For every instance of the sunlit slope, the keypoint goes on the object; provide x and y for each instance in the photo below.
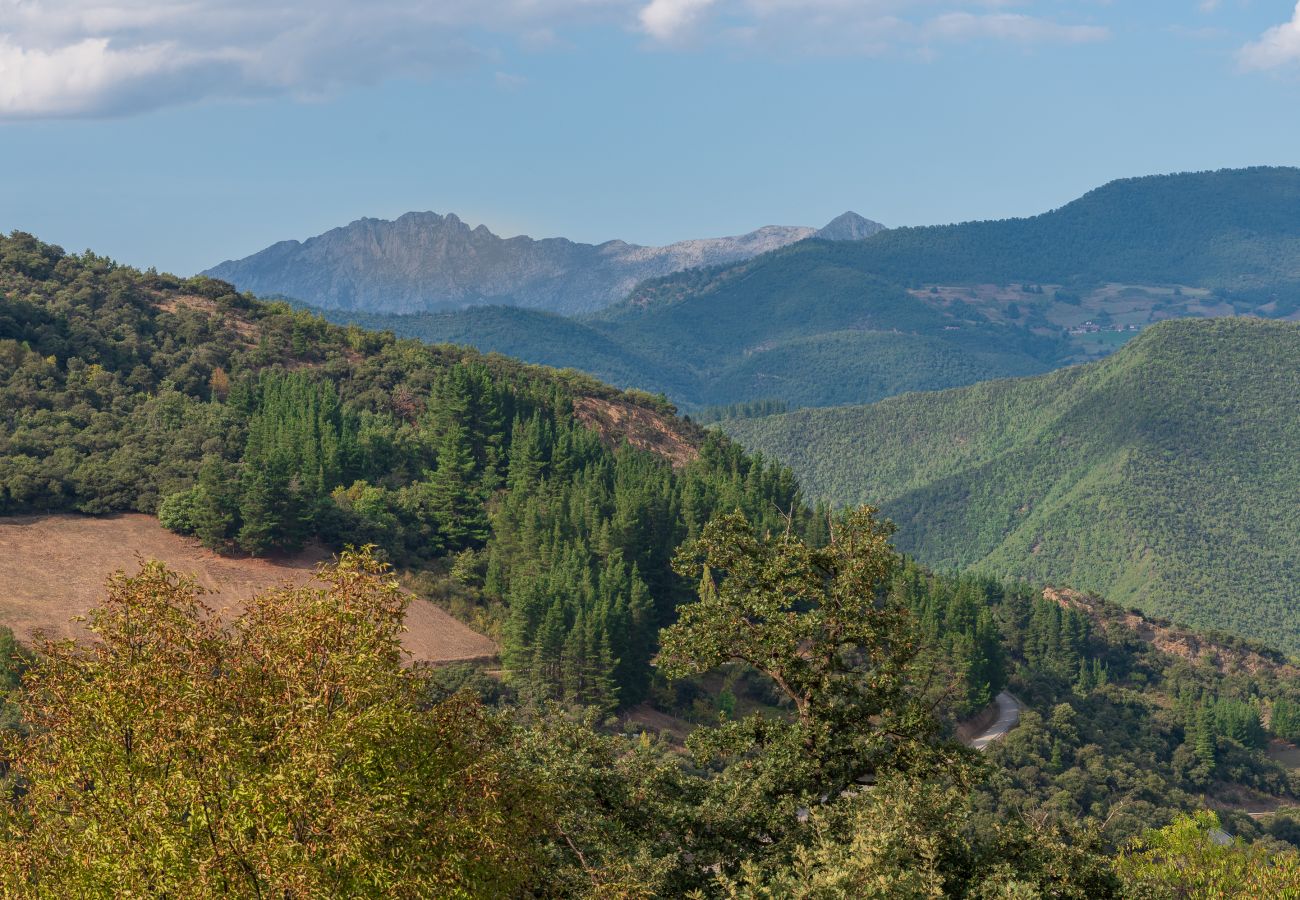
(1166, 476)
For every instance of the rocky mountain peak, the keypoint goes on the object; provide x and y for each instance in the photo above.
(849, 226)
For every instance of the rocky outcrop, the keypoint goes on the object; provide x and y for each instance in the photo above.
(849, 226)
(426, 262)
(1225, 653)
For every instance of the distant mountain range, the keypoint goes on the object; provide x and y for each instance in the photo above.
(425, 262)
(1165, 476)
(820, 323)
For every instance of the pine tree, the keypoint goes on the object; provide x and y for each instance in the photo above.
(216, 513)
(453, 497)
(1204, 736)
(257, 511)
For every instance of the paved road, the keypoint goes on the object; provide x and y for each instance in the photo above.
(1008, 718)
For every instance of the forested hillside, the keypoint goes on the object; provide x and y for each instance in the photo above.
(1236, 229)
(1158, 477)
(256, 428)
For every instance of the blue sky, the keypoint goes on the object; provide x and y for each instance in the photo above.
(179, 135)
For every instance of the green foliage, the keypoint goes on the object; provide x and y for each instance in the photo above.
(914, 840)
(1285, 721)
(819, 624)
(1144, 735)
(1153, 477)
(287, 753)
(752, 410)
(955, 617)
(1193, 858)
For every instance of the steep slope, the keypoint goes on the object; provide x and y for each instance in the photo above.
(826, 335)
(1163, 476)
(424, 262)
(1237, 230)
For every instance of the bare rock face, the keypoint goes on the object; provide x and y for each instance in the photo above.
(423, 262)
(849, 226)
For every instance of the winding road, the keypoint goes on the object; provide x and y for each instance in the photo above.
(1008, 718)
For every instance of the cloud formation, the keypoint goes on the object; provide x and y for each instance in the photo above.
(667, 20)
(962, 26)
(69, 58)
(63, 58)
(1277, 47)
(859, 26)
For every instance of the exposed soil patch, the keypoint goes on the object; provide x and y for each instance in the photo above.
(1285, 752)
(653, 720)
(53, 568)
(618, 420)
(242, 327)
(1175, 640)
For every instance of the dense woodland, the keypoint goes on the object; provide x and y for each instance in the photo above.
(1154, 477)
(819, 673)
(1232, 229)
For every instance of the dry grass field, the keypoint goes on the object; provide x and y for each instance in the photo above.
(53, 568)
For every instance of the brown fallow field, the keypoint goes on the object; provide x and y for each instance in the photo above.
(53, 568)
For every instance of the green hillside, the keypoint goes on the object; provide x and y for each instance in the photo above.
(540, 337)
(1165, 476)
(640, 576)
(1237, 229)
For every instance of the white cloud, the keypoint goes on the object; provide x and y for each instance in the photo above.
(965, 26)
(111, 57)
(1277, 47)
(668, 20)
(863, 26)
(65, 58)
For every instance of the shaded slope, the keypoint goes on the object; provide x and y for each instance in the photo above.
(1236, 229)
(1163, 476)
(860, 342)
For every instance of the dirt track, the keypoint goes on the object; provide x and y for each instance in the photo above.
(54, 567)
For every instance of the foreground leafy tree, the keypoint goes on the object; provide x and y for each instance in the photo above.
(283, 755)
(817, 622)
(911, 838)
(1184, 860)
(853, 792)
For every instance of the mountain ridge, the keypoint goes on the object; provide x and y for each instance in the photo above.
(428, 262)
(820, 323)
